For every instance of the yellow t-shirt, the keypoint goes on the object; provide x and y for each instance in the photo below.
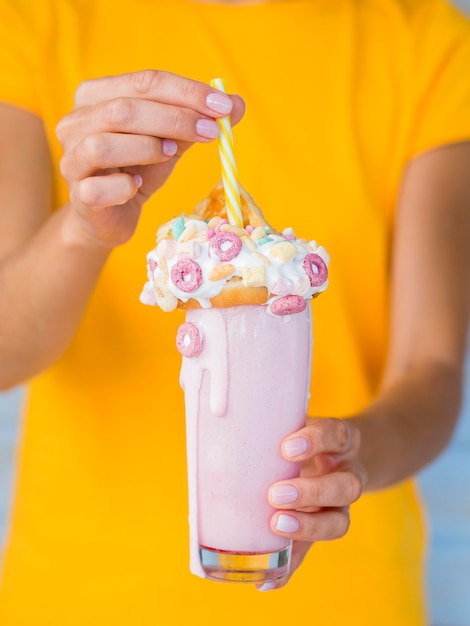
(340, 94)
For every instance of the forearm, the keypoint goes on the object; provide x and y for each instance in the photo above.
(45, 285)
(410, 423)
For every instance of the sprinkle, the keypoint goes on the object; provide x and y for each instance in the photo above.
(267, 230)
(262, 258)
(221, 271)
(210, 233)
(230, 228)
(257, 233)
(214, 222)
(264, 240)
(188, 233)
(249, 229)
(221, 223)
(178, 228)
(248, 243)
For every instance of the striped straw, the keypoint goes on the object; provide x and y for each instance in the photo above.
(229, 170)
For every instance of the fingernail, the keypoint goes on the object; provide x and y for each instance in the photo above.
(138, 179)
(219, 103)
(169, 147)
(296, 447)
(283, 494)
(207, 128)
(268, 586)
(287, 524)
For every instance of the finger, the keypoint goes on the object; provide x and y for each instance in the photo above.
(164, 87)
(321, 435)
(98, 192)
(336, 489)
(103, 151)
(324, 525)
(136, 117)
(299, 551)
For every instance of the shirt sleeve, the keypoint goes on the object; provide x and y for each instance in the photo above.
(18, 57)
(442, 78)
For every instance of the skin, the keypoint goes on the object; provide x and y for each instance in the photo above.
(120, 122)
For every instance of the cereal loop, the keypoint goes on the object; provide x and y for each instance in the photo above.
(316, 270)
(226, 245)
(288, 305)
(189, 340)
(186, 274)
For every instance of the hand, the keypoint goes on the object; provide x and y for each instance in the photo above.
(122, 141)
(315, 506)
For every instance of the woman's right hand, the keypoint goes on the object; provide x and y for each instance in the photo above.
(122, 141)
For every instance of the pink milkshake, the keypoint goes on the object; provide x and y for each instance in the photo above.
(245, 392)
(246, 348)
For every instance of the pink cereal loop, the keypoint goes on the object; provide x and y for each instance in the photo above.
(189, 340)
(288, 305)
(186, 274)
(233, 249)
(314, 261)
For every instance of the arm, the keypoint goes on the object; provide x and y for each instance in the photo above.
(121, 142)
(415, 413)
(418, 407)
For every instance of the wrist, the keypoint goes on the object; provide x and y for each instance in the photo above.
(78, 234)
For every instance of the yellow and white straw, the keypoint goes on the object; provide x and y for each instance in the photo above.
(229, 170)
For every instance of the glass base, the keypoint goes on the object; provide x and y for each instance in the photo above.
(247, 567)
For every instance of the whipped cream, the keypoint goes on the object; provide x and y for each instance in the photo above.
(195, 259)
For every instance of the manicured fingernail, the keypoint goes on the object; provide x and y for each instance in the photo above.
(268, 586)
(296, 447)
(283, 494)
(219, 103)
(138, 179)
(207, 128)
(287, 524)
(169, 147)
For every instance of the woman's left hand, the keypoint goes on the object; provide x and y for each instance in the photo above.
(315, 506)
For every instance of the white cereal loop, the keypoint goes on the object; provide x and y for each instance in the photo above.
(163, 296)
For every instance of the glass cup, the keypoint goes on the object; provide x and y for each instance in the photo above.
(246, 378)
